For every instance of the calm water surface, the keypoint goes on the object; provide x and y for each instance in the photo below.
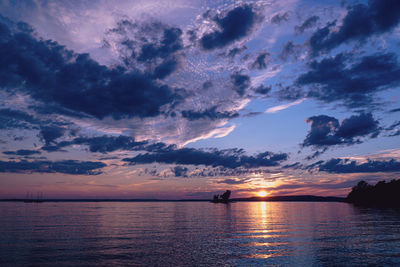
(197, 234)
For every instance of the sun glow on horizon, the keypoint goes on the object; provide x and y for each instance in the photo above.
(262, 193)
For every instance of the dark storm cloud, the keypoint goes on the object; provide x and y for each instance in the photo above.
(327, 131)
(260, 62)
(240, 82)
(230, 158)
(102, 144)
(361, 22)
(65, 166)
(308, 23)
(351, 166)
(54, 75)
(22, 152)
(333, 79)
(233, 25)
(210, 113)
(277, 19)
(10, 119)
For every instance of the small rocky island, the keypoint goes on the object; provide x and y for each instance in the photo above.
(383, 194)
(224, 198)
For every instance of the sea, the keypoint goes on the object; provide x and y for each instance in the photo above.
(197, 234)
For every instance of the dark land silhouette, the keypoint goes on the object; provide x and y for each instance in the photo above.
(385, 194)
(224, 198)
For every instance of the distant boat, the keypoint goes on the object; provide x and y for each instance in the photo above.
(224, 198)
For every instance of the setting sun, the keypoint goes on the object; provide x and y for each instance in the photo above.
(262, 193)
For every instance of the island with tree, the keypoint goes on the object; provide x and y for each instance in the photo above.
(386, 194)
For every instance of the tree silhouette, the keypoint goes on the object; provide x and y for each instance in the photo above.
(382, 194)
(224, 198)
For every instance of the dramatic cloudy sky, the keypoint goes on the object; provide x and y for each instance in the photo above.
(182, 99)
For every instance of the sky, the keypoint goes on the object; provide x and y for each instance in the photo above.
(185, 99)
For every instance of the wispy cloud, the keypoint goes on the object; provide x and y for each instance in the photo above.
(216, 133)
(285, 106)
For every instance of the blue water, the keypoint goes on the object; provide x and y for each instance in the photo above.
(197, 234)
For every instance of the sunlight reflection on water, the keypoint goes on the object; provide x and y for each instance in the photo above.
(197, 233)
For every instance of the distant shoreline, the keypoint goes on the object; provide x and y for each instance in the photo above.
(302, 198)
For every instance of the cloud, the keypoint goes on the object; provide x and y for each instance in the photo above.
(22, 152)
(65, 166)
(317, 153)
(215, 133)
(180, 171)
(260, 62)
(170, 43)
(296, 165)
(212, 172)
(393, 128)
(333, 79)
(232, 53)
(49, 130)
(290, 50)
(210, 113)
(232, 26)
(149, 45)
(232, 181)
(289, 93)
(240, 82)
(10, 119)
(361, 22)
(394, 110)
(327, 131)
(50, 133)
(279, 18)
(230, 158)
(308, 23)
(102, 144)
(166, 68)
(262, 89)
(351, 166)
(285, 106)
(36, 67)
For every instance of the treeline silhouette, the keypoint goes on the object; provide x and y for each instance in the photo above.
(382, 194)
